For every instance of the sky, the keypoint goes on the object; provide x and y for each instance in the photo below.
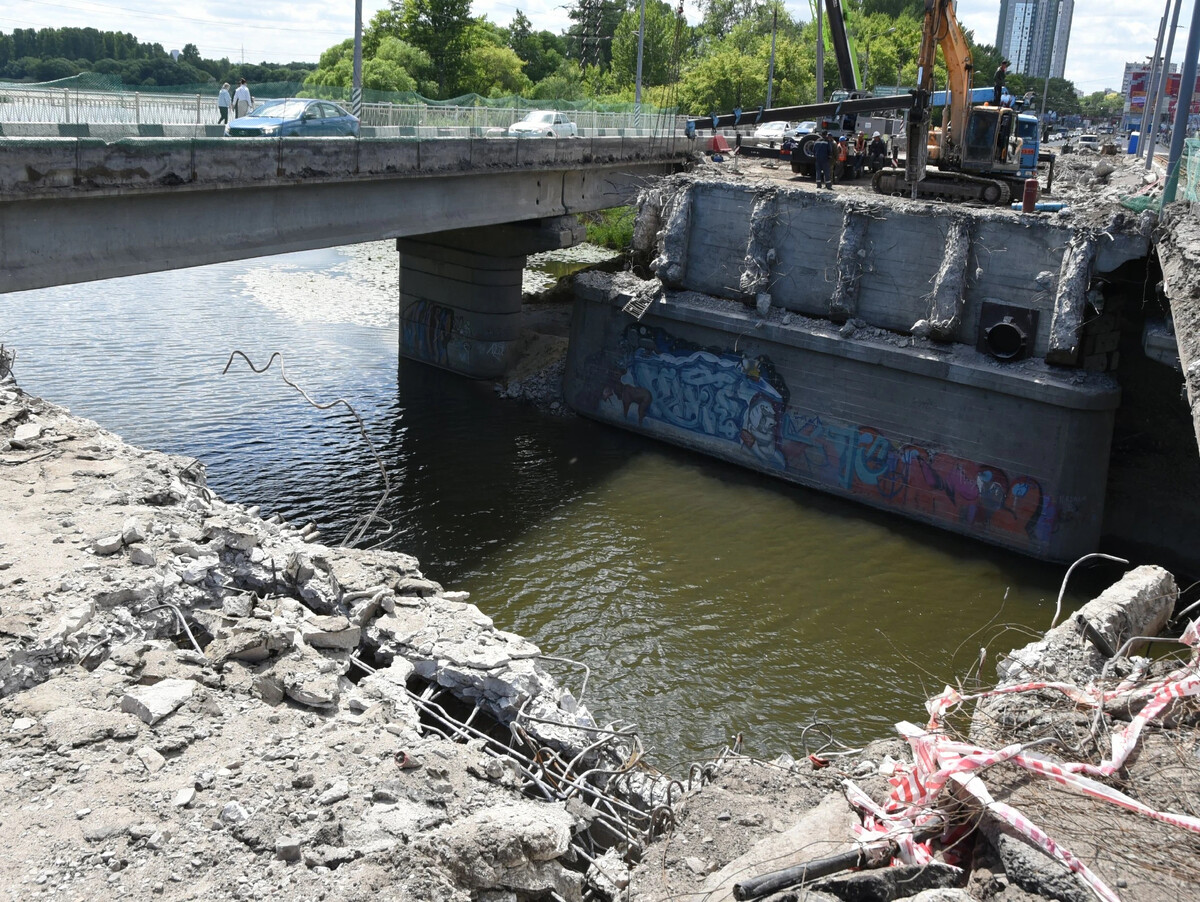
(1105, 34)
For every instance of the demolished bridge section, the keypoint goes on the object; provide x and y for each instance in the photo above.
(931, 361)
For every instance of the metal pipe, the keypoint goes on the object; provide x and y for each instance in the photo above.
(1162, 87)
(356, 90)
(1187, 85)
(1151, 84)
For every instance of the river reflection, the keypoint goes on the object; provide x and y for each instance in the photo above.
(705, 599)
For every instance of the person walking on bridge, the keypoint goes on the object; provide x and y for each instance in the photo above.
(241, 100)
(223, 104)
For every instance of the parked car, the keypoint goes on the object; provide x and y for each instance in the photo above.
(773, 131)
(806, 128)
(1091, 142)
(543, 123)
(294, 117)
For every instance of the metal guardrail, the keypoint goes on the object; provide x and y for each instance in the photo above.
(69, 106)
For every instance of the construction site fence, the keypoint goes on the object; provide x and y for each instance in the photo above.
(1150, 198)
(77, 105)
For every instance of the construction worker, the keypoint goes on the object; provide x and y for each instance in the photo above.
(843, 159)
(821, 168)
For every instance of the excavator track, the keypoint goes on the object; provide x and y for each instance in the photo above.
(951, 186)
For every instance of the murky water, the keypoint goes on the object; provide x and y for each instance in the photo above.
(706, 600)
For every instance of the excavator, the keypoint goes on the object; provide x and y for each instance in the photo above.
(976, 150)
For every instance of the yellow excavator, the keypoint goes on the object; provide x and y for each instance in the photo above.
(976, 150)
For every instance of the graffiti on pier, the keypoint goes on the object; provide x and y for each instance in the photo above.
(718, 395)
(426, 331)
(932, 484)
(738, 406)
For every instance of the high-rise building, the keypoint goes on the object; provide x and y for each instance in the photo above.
(1033, 35)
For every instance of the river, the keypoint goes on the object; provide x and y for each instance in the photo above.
(706, 600)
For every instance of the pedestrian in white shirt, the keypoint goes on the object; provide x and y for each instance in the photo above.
(223, 104)
(242, 101)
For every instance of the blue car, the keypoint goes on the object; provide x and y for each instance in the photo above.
(294, 116)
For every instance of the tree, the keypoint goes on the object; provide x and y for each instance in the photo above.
(658, 46)
(495, 72)
(439, 27)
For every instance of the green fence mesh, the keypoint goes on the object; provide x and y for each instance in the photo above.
(93, 81)
(1189, 182)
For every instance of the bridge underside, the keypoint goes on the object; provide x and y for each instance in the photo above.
(59, 240)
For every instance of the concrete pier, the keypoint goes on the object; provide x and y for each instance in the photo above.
(460, 292)
(936, 362)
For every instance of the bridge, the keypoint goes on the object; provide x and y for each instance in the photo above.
(465, 212)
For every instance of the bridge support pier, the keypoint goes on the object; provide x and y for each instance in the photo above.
(460, 292)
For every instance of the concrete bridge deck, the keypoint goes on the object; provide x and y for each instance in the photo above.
(74, 210)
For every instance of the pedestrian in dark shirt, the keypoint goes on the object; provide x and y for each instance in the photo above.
(998, 83)
(821, 153)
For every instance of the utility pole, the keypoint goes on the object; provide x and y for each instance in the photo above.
(1151, 85)
(637, 90)
(1162, 87)
(820, 58)
(356, 90)
(771, 67)
(1187, 84)
(1049, 69)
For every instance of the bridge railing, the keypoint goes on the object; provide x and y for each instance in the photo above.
(19, 104)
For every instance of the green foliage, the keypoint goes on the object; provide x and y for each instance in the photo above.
(657, 46)
(49, 54)
(440, 28)
(611, 228)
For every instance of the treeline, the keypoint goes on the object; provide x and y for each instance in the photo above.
(438, 49)
(47, 54)
(435, 47)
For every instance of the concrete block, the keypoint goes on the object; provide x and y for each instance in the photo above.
(150, 130)
(493, 152)
(235, 160)
(73, 130)
(572, 151)
(54, 167)
(377, 156)
(317, 157)
(450, 153)
(155, 161)
(153, 703)
(535, 152)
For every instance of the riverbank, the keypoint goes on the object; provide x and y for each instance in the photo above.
(251, 754)
(201, 704)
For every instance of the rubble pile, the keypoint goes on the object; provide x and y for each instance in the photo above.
(1076, 777)
(196, 703)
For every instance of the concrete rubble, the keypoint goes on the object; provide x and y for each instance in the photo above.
(1133, 834)
(183, 716)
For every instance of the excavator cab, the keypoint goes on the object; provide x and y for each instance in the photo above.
(991, 143)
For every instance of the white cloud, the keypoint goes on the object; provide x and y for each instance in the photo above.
(1105, 34)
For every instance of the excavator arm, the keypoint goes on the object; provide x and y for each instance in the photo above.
(940, 30)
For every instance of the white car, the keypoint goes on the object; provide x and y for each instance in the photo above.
(543, 123)
(1092, 142)
(773, 131)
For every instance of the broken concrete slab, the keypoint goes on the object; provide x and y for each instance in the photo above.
(153, 703)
